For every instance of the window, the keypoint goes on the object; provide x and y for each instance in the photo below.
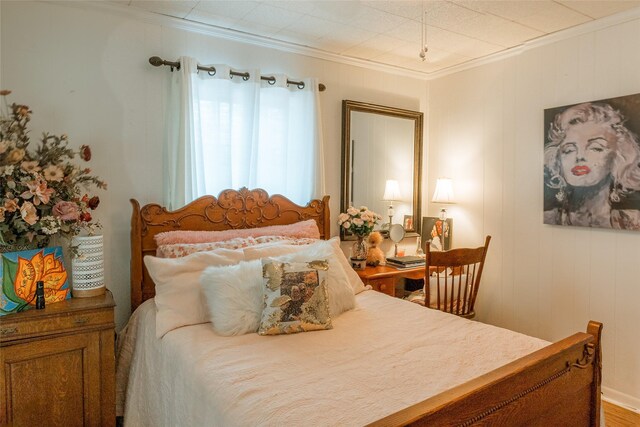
(229, 133)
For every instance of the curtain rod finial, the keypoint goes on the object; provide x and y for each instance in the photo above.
(156, 61)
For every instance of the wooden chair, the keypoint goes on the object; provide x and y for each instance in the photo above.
(455, 275)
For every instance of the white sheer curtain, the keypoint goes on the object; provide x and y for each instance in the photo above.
(228, 133)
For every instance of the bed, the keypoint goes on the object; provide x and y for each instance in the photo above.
(370, 369)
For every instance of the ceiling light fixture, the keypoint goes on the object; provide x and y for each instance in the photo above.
(423, 46)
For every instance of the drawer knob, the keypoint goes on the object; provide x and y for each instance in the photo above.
(383, 287)
(8, 331)
(81, 320)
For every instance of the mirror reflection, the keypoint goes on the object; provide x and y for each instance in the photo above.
(382, 153)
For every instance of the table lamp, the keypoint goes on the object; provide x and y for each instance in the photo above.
(391, 194)
(443, 195)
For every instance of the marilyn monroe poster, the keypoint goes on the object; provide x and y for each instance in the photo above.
(592, 164)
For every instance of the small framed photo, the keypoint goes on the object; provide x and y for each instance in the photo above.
(407, 223)
(435, 234)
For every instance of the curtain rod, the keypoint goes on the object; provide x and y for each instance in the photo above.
(156, 61)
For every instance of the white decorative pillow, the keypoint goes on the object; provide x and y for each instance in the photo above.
(341, 296)
(295, 297)
(179, 300)
(451, 281)
(234, 297)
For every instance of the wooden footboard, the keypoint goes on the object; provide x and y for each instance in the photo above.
(558, 385)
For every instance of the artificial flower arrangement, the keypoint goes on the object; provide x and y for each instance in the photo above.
(358, 221)
(42, 193)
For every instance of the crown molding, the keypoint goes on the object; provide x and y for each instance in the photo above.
(234, 35)
(267, 42)
(578, 30)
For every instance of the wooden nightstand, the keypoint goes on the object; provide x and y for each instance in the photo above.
(383, 278)
(57, 365)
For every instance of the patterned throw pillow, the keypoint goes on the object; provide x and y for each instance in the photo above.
(179, 250)
(295, 297)
(285, 239)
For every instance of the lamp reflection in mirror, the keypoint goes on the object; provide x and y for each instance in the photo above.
(391, 194)
(443, 195)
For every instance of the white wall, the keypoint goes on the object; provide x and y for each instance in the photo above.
(486, 132)
(84, 71)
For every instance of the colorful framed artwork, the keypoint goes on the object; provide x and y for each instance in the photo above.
(591, 166)
(21, 271)
(434, 234)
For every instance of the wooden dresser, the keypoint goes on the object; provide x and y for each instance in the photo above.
(58, 365)
(384, 278)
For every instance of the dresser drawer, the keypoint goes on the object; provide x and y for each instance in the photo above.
(17, 329)
(386, 285)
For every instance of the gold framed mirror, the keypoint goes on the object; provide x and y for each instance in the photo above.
(381, 144)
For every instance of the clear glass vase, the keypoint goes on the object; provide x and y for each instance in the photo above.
(419, 251)
(359, 249)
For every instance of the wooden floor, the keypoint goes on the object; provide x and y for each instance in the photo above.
(615, 416)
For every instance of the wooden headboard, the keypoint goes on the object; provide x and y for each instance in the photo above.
(232, 209)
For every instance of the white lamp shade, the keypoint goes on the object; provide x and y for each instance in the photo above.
(391, 190)
(444, 191)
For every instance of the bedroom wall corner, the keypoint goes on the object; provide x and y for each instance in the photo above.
(486, 131)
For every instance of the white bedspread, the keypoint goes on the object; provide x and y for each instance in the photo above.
(381, 357)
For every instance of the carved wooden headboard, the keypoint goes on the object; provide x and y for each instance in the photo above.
(232, 209)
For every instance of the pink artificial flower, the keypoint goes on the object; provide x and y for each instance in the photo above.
(39, 191)
(29, 213)
(11, 205)
(66, 211)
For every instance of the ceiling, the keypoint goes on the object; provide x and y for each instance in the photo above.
(389, 32)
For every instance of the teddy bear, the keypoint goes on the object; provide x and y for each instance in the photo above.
(375, 255)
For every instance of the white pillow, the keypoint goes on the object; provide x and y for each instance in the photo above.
(257, 252)
(178, 297)
(341, 294)
(449, 281)
(234, 297)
